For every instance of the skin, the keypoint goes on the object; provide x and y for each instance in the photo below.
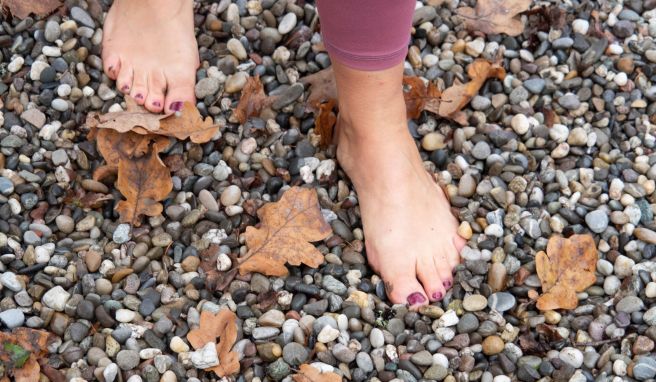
(411, 235)
(411, 238)
(155, 61)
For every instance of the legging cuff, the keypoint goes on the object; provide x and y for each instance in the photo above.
(366, 62)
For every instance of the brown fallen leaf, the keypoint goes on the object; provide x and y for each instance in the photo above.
(222, 325)
(20, 349)
(23, 8)
(322, 88)
(309, 373)
(324, 122)
(185, 124)
(419, 97)
(495, 16)
(288, 228)
(252, 100)
(457, 96)
(86, 199)
(566, 268)
(29, 372)
(144, 182)
(188, 124)
(113, 145)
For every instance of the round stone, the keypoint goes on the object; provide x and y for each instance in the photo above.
(127, 359)
(231, 195)
(474, 302)
(493, 345)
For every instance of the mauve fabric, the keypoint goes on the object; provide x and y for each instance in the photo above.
(366, 34)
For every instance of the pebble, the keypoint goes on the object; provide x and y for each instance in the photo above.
(12, 318)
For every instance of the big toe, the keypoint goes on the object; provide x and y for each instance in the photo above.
(405, 289)
(180, 89)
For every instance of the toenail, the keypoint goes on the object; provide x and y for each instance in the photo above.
(157, 104)
(437, 296)
(416, 298)
(138, 96)
(125, 88)
(176, 106)
(447, 284)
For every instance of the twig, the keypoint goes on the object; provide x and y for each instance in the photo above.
(597, 343)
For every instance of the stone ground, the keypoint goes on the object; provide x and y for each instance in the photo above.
(563, 145)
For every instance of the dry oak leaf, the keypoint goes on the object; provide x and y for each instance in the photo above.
(223, 325)
(185, 124)
(325, 121)
(566, 268)
(419, 97)
(495, 16)
(114, 146)
(309, 373)
(252, 100)
(457, 96)
(23, 8)
(144, 182)
(322, 88)
(288, 227)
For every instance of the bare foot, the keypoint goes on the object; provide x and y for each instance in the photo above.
(410, 234)
(149, 48)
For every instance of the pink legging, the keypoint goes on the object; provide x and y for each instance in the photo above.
(366, 34)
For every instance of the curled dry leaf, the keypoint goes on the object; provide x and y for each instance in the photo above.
(23, 8)
(419, 97)
(79, 197)
(252, 100)
(222, 325)
(325, 121)
(185, 124)
(144, 182)
(457, 96)
(495, 16)
(309, 373)
(288, 227)
(322, 88)
(566, 268)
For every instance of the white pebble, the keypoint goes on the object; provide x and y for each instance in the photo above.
(621, 79)
(520, 124)
(64, 90)
(125, 315)
(223, 262)
(16, 64)
(571, 356)
(650, 290)
(581, 26)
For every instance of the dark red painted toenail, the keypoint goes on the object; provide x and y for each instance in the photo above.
(139, 96)
(176, 106)
(125, 88)
(157, 104)
(416, 298)
(437, 296)
(447, 284)
(110, 69)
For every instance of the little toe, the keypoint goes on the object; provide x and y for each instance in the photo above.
(444, 272)
(156, 86)
(429, 276)
(179, 89)
(112, 66)
(124, 79)
(139, 89)
(459, 242)
(405, 289)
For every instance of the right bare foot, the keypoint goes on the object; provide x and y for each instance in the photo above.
(410, 233)
(149, 48)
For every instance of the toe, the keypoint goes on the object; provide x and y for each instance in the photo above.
(156, 87)
(459, 242)
(429, 276)
(139, 89)
(124, 78)
(179, 89)
(444, 270)
(112, 66)
(405, 289)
